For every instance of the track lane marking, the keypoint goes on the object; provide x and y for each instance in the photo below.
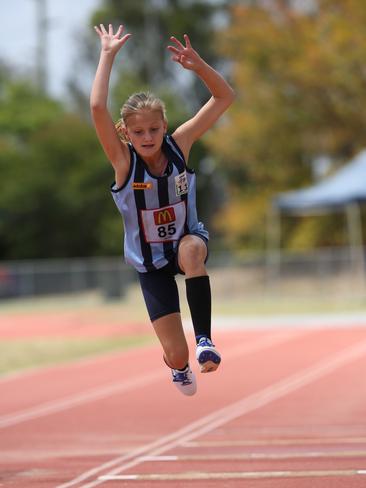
(192, 476)
(99, 393)
(258, 344)
(248, 404)
(275, 442)
(254, 456)
(72, 401)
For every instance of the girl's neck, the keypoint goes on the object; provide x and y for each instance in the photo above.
(157, 166)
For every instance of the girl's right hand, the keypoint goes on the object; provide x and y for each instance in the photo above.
(111, 43)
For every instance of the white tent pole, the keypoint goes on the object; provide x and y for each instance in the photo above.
(354, 224)
(273, 251)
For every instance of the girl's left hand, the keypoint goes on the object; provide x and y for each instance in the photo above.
(186, 56)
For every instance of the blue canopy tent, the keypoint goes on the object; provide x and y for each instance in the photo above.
(345, 190)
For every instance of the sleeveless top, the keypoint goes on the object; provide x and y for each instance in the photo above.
(157, 210)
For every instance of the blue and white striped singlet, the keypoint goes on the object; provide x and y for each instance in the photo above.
(157, 211)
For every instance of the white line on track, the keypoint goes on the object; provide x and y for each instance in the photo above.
(191, 476)
(323, 320)
(72, 401)
(135, 382)
(255, 456)
(220, 417)
(256, 345)
(277, 442)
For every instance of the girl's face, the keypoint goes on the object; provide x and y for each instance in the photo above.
(145, 130)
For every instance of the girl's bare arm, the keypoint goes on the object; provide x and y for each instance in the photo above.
(116, 151)
(222, 95)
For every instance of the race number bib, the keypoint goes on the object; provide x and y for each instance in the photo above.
(164, 224)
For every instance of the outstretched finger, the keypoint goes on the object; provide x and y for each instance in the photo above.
(174, 50)
(188, 42)
(124, 39)
(119, 31)
(110, 29)
(103, 29)
(98, 31)
(179, 44)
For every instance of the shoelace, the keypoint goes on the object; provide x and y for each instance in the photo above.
(181, 377)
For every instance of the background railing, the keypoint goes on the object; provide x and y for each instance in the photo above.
(19, 279)
(328, 271)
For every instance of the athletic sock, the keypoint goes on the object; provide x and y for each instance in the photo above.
(182, 369)
(199, 300)
(177, 369)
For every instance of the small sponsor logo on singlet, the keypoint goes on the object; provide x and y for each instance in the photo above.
(181, 184)
(164, 216)
(142, 186)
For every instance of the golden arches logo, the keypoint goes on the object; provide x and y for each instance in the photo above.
(164, 216)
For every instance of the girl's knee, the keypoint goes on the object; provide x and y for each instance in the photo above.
(192, 253)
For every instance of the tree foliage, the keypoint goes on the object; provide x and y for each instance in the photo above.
(299, 76)
(55, 178)
(53, 201)
(300, 82)
(145, 64)
(151, 23)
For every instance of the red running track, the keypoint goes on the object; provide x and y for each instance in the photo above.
(285, 410)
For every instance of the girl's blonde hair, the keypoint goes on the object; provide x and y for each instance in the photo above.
(135, 103)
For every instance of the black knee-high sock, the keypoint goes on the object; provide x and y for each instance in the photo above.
(199, 300)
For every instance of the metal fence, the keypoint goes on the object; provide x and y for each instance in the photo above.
(50, 277)
(326, 270)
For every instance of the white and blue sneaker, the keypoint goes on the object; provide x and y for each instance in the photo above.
(185, 381)
(207, 356)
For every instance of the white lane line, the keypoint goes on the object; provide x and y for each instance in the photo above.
(320, 320)
(276, 442)
(256, 456)
(191, 476)
(95, 394)
(258, 344)
(247, 404)
(72, 401)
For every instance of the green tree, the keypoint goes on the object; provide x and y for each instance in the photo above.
(152, 22)
(53, 201)
(300, 82)
(146, 65)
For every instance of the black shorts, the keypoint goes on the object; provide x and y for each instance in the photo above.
(160, 290)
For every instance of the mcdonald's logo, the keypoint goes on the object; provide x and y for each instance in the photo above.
(164, 216)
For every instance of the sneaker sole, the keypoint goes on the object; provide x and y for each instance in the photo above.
(208, 361)
(187, 392)
(189, 389)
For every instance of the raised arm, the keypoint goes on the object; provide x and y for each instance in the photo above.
(222, 94)
(116, 151)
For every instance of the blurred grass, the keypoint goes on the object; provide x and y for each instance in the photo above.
(232, 294)
(280, 306)
(230, 298)
(17, 355)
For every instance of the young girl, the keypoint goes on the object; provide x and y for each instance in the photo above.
(155, 192)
